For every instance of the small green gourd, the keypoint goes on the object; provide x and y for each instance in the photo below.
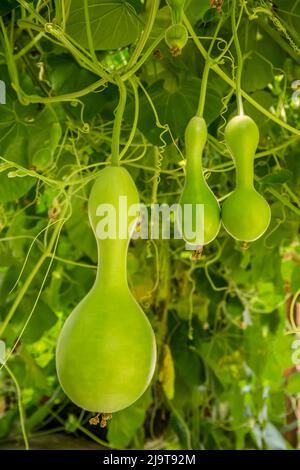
(106, 351)
(176, 38)
(246, 214)
(196, 189)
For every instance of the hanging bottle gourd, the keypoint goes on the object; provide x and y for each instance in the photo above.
(196, 192)
(106, 351)
(246, 214)
(197, 201)
(176, 35)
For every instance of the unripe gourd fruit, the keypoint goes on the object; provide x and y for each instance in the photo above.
(106, 351)
(176, 38)
(196, 190)
(245, 213)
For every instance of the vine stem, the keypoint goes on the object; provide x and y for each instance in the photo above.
(21, 412)
(115, 146)
(208, 63)
(89, 32)
(240, 60)
(135, 119)
(143, 58)
(146, 33)
(203, 88)
(217, 69)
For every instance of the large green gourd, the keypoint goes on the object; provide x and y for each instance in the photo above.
(245, 213)
(196, 189)
(106, 351)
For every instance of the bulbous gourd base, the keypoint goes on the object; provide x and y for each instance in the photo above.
(246, 214)
(106, 352)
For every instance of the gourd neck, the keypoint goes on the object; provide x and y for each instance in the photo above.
(112, 264)
(244, 174)
(194, 167)
(195, 139)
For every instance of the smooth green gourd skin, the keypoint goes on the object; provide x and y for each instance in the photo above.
(246, 214)
(196, 189)
(176, 37)
(106, 351)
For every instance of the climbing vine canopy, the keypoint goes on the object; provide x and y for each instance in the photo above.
(87, 83)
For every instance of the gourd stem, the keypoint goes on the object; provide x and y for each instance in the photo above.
(20, 405)
(239, 60)
(176, 13)
(145, 35)
(89, 33)
(208, 63)
(115, 146)
(203, 88)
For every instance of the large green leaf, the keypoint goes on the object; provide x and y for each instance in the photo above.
(278, 177)
(114, 23)
(175, 103)
(257, 73)
(79, 230)
(293, 386)
(295, 281)
(28, 135)
(42, 319)
(65, 76)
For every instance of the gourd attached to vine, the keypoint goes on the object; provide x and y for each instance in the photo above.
(198, 203)
(246, 214)
(176, 36)
(106, 351)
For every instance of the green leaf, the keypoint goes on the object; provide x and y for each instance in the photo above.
(114, 23)
(257, 73)
(176, 104)
(25, 131)
(66, 76)
(293, 385)
(13, 188)
(44, 155)
(295, 280)
(181, 429)
(257, 39)
(196, 10)
(278, 177)
(6, 423)
(7, 5)
(80, 232)
(29, 375)
(124, 424)
(266, 100)
(42, 320)
(268, 297)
